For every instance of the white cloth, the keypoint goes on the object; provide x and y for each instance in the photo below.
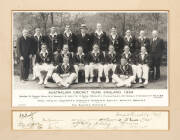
(109, 67)
(82, 67)
(98, 67)
(123, 81)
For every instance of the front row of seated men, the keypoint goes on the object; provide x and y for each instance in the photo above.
(64, 71)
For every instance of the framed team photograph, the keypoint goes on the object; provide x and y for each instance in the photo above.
(89, 58)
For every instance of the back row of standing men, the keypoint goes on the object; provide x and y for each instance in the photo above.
(55, 42)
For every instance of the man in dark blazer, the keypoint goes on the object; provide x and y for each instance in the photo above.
(37, 40)
(54, 42)
(84, 39)
(142, 40)
(156, 52)
(64, 74)
(123, 75)
(70, 38)
(100, 38)
(24, 51)
(116, 40)
(130, 41)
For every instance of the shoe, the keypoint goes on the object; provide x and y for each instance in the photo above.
(40, 82)
(86, 80)
(146, 82)
(134, 82)
(107, 80)
(99, 80)
(34, 78)
(67, 85)
(91, 80)
(76, 81)
(45, 81)
(140, 80)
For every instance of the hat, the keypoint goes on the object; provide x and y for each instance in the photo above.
(83, 26)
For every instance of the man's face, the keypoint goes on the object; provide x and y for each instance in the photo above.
(113, 31)
(38, 31)
(126, 49)
(43, 48)
(154, 34)
(67, 29)
(66, 60)
(53, 30)
(128, 33)
(142, 33)
(111, 48)
(99, 27)
(143, 50)
(95, 47)
(65, 48)
(25, 33)
(80, 50)
(123, 61)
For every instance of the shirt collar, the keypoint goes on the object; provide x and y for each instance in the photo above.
(126, 53)
(99, 33)
(37, 35)
(65, 32)
(79, 54)
(142, 37)
(62, 52)
(63, 64)
(53, 34)
(144, 53)
(128, 37)
(112, 53)
(95, 52)
(43, 52)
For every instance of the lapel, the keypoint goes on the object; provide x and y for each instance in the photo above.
(65, 70)
(99, 36)
(43, 57)
(65, 35)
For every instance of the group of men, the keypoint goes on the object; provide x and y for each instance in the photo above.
(62, 56)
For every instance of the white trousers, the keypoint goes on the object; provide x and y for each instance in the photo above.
(64, 78)
(123, 81)
(143, 71)
(134, 69)
(98, 67)
(109, 67)
(44, 67)
(85, 68)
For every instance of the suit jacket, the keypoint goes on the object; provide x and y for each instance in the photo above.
(127, 71)
(130, 58)
(143, 42)
(54, 43)
(71, 41)
(111, 59)
(37, 43)
(118, 43)
(85, 42)
(156, 48)
(77, 59)
(131, 43)
(24, 47)
(101, 40)
(140, 60)
(48, 58)
(61, 56)
(99, 58)
(62, 70)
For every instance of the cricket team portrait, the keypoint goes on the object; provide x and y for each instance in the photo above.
(90, 49)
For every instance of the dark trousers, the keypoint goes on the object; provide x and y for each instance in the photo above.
(24, 68)
(155, 67)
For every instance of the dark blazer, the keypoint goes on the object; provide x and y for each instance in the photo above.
(130, 58)
(24, 47)
(61, 56)
(156, 48)
(62, 70)
(71, 41)
(127, 71)
(78, 60)
(48, 58)
(85, 42)
(131, 43)
(112, 59)
(139, 59)
(118, 43)
(38, 42)
(99, 58)
(143, 42)
(54, 43)
(101, 40)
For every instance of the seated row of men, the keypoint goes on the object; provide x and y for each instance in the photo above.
(65, 69)
(28, 47)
